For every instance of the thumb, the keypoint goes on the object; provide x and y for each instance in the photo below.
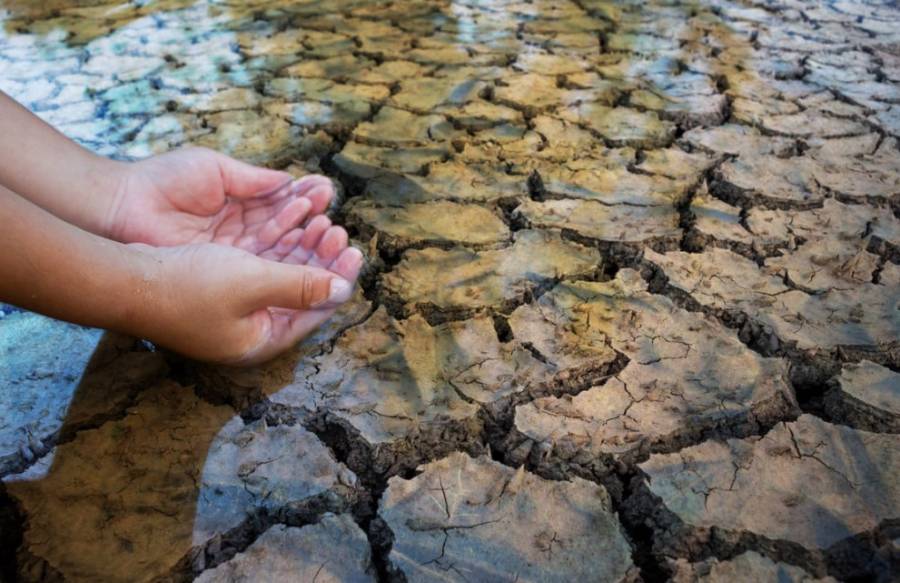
(300, 287)
(242, 180)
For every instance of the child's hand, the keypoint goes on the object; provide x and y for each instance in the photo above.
(200, 196)
(211, 302)
(279, 270)
(221, 304)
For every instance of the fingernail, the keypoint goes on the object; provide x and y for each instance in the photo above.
(340, 291)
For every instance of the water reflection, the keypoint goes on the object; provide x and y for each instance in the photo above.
(41, 362)
(79, 21)
(163, 74)
(146, 475)
(117, 503)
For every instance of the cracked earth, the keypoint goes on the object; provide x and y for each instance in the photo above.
(630, 310)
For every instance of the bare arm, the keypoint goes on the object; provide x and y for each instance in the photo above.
(52, 267)
(192, 195)
(52, 171)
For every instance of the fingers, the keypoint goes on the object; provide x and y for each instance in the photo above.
(284, 246)
(297, 287)
(293, 246)
(287, 325)
(290, 216)
(292, 249)
(330, 245)
(318, 189)
(288, 328)
(348, 264)
(268, 220)
(310, 238)
(242, 180)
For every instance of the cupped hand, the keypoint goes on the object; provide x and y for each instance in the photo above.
(221, 304)
(197, 195)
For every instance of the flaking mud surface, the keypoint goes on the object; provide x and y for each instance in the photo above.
(630, 309)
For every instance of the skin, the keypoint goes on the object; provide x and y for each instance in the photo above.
(196, 251)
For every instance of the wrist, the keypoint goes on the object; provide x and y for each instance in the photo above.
(65, 272)
(53, 172)
(138, 290)
(107, 179)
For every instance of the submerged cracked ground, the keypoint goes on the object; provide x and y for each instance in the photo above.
(630, 310)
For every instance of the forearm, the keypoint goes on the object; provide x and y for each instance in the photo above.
(52, 171)
(54, 268)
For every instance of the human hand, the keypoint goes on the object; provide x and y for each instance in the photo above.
(222, 304)
(197, 195)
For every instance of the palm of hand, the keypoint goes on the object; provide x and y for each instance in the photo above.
(199, 196)
(246, 325)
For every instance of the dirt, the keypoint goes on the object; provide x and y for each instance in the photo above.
(630, 308)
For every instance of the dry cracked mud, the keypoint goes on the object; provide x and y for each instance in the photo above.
(447, 522)
(631, 309)
(333, 550)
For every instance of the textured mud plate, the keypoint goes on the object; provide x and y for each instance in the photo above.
(467, 519)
